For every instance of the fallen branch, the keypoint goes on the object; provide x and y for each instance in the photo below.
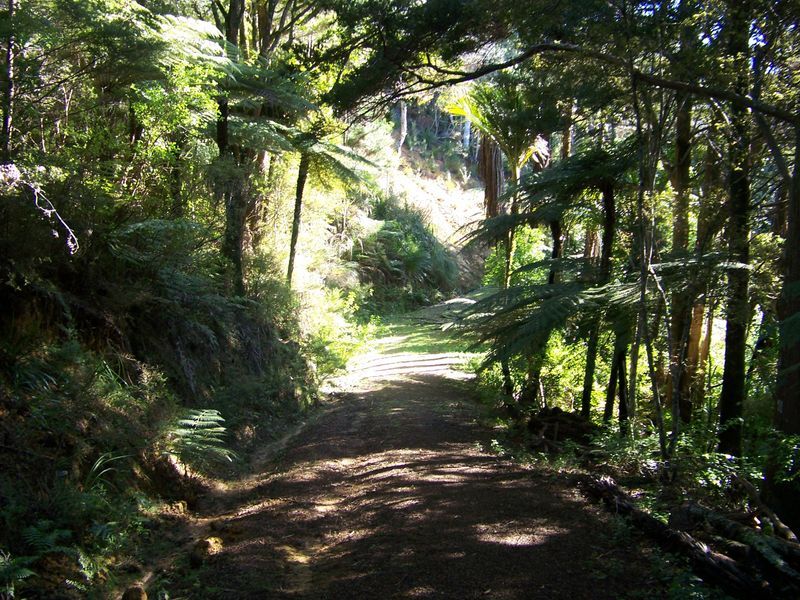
(713, 566)
(773, 552)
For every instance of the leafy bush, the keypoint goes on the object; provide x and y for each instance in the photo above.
(403, 261)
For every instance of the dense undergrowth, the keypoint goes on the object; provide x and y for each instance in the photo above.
(403, 265)
(124, 375)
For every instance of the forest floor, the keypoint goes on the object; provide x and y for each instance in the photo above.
(391, 491)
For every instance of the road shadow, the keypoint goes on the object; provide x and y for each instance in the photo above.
(391, 495)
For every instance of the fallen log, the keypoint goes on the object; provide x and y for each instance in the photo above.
(712, 566)
(774, 552)
(755, 498)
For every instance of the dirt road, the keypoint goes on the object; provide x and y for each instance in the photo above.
(390, 493)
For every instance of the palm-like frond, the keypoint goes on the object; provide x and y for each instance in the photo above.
(511, 114)
(261, 133)
(198, 438)
(513, 319)
(568, 179)
(497, 227)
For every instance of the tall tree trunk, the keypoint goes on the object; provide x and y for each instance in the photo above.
(511, 238)
(556, 232)
(233, 19)
(557, 237)
(591, 363)
(779, 217)
(257, 207)
(8, 89)
(611, 390)
(788, 391)
(764, 341)
(175, 188)
(738, 306)
(490, 165)
(681, 309)
(609, 228)
(302, 176)
(235, 200)
(783, 494)
(508, 382)
(704, 354)
(624, 407)
(533, 383)
(708, 225)
(591, 251)
(234, 192)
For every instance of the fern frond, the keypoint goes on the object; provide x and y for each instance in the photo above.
(198, 438)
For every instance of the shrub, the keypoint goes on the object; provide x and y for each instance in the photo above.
(403, 261)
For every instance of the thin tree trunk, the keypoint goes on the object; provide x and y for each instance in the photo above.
(557, 236)
(644, 273)
(703, 358)
(256, 215)
(784, 495)
(693, 348)
(8, 89)
(611, 390)
(780, 215)
(556, 231)
(511, 238)
(533, 382)
(302, 176)
(588, 375)
(788, 392)
(766, 336)
(609, 227)
(624, 407)
(175, 187)
(234, 197)
(591, 251)
(403, 127)
(508, 382)
(233, 194)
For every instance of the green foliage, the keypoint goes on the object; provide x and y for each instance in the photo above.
(403, 261)
(531, 246)
(782, 453)
(197, 439)
(514, 114)
(43, 538)
(13, 570)
(333, 333)
(99, 475)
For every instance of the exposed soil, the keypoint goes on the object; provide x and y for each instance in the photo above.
(390, 493)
